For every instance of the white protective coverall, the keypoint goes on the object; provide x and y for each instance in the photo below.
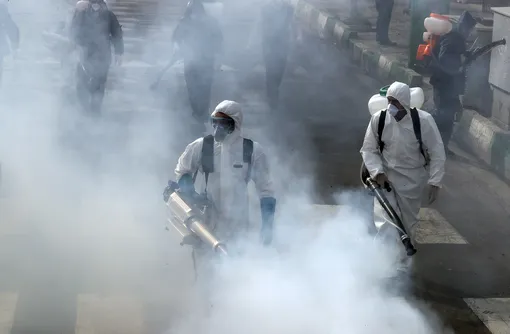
(402, 161)
(227, 186)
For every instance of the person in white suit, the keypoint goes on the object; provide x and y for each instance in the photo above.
(403, 149)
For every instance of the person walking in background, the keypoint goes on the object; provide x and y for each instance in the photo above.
(276, 26)
(448, 79)
(384, 10)
(94, 28)
(199, 40)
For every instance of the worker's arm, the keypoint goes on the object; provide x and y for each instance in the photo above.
(76, 31)
(188, 164)
(260, 172)
(370, 149)
(434, 144)
(263, 183)
(117, 35)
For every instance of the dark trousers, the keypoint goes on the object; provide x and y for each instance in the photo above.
(90, 90)
(384, 9)
(275, 59)
(447, 105)
(199, 79)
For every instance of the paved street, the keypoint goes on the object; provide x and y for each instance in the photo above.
(83, 248)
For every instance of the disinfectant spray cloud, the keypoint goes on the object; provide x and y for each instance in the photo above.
(88, 192)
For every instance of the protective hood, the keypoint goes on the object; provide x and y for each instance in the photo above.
(401, 92)
(233, 110)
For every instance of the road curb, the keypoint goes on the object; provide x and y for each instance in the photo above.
(373, 62)
(486, 141)
(321, 23)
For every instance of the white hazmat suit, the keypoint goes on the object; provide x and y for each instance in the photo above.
(401, 160)
(227, 186)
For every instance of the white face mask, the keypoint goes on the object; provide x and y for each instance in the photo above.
(392, 110)
(96, 7)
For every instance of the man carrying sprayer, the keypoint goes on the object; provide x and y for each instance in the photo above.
(198, 39)
(9, 39)
(448, 78)
(407, 159)
(94, 28)
(225, 163)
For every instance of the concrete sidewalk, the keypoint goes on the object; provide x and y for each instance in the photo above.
(326, 19)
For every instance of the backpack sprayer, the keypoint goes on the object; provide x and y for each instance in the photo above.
(439, 25)
(187, 214)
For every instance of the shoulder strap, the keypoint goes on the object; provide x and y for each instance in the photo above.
(380, 128)
(415, 117)
(247, 155)
(206, 158)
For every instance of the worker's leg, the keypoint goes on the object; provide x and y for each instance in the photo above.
(447, 106)
(384, 9)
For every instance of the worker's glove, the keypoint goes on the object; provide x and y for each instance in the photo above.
(267, 209)
(186, 184)
(433, 193)
(382, 180)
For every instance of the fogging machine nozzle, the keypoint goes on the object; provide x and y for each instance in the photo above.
(187, 216)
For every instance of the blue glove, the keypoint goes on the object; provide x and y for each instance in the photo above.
(186, 184)
(267, 209)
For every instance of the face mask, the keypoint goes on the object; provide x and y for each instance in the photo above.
(96, 7)
(392, 109)
(220, 133)
(222, 129)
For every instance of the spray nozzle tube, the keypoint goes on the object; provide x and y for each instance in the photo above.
(397, 222)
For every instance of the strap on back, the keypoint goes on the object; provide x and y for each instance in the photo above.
(417, 132)
(380, 128)
(415, 117)
(247, 154)
(207, 158)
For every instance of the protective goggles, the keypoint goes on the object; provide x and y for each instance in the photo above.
(222, 121)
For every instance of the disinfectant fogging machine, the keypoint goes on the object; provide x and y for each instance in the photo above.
(187, 213)
(376, 103)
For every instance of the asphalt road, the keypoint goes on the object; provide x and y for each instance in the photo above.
(82, 239)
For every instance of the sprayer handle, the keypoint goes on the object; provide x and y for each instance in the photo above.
(410, 250)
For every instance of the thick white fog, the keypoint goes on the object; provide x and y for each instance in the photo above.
(92, 188)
